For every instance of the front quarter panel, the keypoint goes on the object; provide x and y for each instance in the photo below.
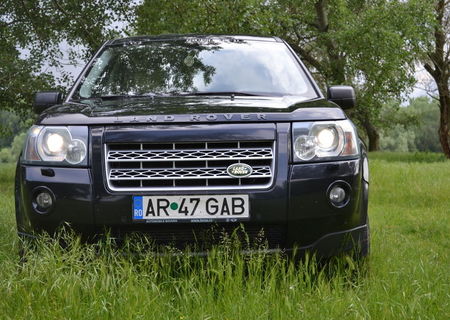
(72, 189)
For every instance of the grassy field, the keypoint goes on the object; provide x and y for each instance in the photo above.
(406, 277)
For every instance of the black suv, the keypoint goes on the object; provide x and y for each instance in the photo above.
(185, 137)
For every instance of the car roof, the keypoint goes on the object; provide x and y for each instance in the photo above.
(174, 37)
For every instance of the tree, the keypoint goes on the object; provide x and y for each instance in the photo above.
(12, 153)
(41, 26)
(416, 128)
(19, 78)
(12, 125)
(31, 32)
(368, 44)
(426, 138)
(438, 66)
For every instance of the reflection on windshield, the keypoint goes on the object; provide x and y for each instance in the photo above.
(184, 67)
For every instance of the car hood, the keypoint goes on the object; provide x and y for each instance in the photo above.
(187, 109)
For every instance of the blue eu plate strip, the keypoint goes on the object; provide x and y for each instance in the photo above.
(138, 210)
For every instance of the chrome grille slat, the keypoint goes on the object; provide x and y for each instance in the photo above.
(189, 155)
(191, 173)
(187, 166)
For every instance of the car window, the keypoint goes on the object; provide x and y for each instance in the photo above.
(184, 67)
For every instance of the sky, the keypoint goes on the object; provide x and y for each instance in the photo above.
(423, 80)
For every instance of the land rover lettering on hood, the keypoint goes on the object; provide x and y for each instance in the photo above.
(177, 137)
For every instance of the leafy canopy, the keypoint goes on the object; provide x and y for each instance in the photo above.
(370, 44)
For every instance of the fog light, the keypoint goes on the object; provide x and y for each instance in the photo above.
(44, 200)
(337, 195)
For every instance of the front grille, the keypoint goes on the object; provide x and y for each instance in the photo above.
(182, 165)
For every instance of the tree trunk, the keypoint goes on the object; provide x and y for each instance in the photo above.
(444, 133)
(439, 70)
(373, 135)
(336, 62)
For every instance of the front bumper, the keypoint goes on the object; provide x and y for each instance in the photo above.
(327, 246)
(294, 212)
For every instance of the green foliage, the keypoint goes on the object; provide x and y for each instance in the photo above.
(371, 45)
(12, 153)
(426, 132)
(418, 128)
(406, 276)
(9, 127)
(19, 78)
(5, 155)
(7, 173)
(41, 26)
(201, 17)
(398, 139)
(31, 33)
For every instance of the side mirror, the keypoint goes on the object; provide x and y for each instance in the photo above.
(343, 96)
(46, 99)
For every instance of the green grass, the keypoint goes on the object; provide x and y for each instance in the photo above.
(427, 157)
(406, 277)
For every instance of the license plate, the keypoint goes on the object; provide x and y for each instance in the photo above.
(227, 208)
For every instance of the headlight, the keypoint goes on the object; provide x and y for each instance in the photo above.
(324, 140)
(56, 145)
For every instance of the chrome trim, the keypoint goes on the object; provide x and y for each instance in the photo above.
(249, 172)
(182, 174)
(141, 188)
(189, 155)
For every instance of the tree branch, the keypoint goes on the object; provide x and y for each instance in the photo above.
(306, 55)
(430, 70)
(322, 15)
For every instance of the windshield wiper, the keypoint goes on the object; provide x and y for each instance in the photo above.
(174, 93)
(120, 96)
(223, 93)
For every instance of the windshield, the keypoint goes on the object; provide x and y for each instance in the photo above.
(195, 66)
